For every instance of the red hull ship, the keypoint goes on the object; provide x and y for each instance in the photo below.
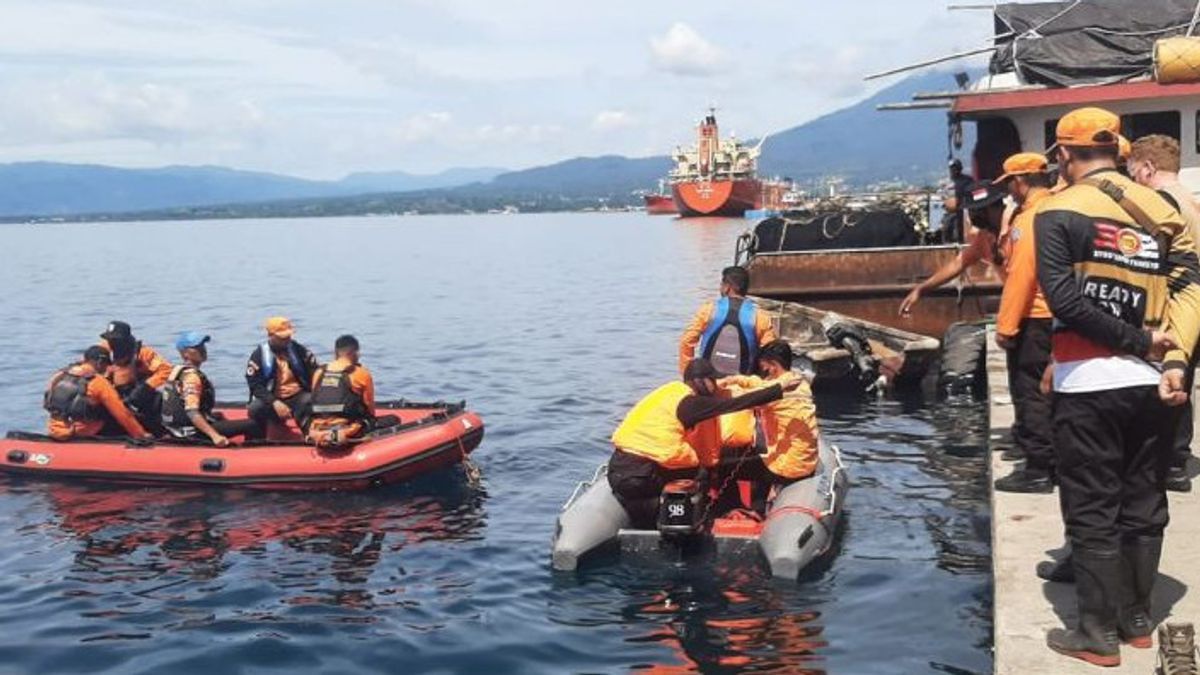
(716, 177)
(660, 205)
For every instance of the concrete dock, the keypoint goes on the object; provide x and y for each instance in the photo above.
(1028, 528)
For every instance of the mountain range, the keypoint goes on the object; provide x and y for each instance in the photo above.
(857, 144)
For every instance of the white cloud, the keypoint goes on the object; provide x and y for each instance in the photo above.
(683, 51)
(609, 120)
(422, 127)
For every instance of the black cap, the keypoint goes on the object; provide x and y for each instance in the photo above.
(96, 353)
(983, 194)
(118, 331)
(700, 369)
(778, 351)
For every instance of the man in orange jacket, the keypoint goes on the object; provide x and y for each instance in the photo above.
(343, 398)
(729, 331)
(137, 371)
(789, 425)
(83, 404)
(1023, 327)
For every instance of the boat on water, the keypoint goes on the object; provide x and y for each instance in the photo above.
(716, 177)
(430, 436)
(660, 203)
(1048, 58)
(798, 527)
(840, 351)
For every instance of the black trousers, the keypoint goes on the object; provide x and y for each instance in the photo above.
(1183, 433)
(1032, 429)
(638, 482)
(264, 413)
(1113, 450)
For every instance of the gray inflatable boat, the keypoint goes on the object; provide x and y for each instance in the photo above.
(799, 525)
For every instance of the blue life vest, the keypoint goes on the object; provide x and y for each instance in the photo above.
(267, 372)
(730, 342)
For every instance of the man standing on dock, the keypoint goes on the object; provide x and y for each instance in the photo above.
(1119, 269)
(1154, 162)
(1023, 327)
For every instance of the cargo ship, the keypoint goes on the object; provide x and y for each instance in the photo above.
(716, 177)
(660, 203)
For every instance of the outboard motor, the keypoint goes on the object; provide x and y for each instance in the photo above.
(848, 336)
(681, 509)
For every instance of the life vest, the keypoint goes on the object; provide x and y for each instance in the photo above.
(730, 342)
(299, 369)
(653, 430)
(333, 396)
(66, 399)
(174, 409)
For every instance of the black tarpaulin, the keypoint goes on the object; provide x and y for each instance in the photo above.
(1085, 42)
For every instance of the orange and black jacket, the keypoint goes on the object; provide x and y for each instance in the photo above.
(147, 367)
(355, 405)
(100, 395)
(261, 370)
(1108, 280)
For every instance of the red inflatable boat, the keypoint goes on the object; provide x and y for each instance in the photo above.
(430, 436)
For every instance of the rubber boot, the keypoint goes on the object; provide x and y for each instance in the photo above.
(1177, 650)
(1095, 640)
(1062, 572)
(1141, 556)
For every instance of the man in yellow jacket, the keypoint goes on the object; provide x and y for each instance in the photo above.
(672, 433)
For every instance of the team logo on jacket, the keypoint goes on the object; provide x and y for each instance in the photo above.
(1129, 242)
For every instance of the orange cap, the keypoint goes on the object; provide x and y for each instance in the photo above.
(1124, 148)
(1023, 163)
(280, 327)
(1087, 127)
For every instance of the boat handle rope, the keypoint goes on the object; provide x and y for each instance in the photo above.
(581, 486)
(474, 475)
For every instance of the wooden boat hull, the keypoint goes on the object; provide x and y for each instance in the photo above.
(905, 357)
(869, 284)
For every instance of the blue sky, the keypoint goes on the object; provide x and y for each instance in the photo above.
(320, 88)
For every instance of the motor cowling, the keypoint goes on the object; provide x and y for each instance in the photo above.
(849, 337)
(681, 508)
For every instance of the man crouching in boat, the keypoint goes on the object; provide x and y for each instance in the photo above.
(672, 433)
(789, 424)
(83, 404)
(189, 397)
(343, 399)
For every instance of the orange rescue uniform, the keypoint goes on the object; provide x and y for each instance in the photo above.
(361, 384)
(653, 430)
(100, 394)
(763, 329)
(1022, 297)
(790, 425)
(146, 366)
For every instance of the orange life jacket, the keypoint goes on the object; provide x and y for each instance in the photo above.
(653, 430)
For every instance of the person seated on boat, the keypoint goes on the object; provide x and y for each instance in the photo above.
(189, 396)
(729, 331)
(343, 398)
(137, 371)
(789, 424)
(985, 210)
(673, 432)
(83, 404)
(279, 374)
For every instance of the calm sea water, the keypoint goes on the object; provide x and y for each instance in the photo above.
(551, 327)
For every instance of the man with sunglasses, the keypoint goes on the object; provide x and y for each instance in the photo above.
(188, 398)
(83, 404)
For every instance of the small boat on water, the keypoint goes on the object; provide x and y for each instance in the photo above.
(839, 350)
(798, 527)
(430, 436)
